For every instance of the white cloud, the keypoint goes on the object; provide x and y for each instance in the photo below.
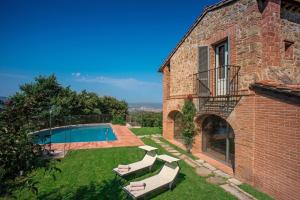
(76, 74)
(123, 83)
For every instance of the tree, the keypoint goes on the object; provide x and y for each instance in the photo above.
(189, 130)
(29, 110)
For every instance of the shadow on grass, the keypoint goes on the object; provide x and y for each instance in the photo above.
(108, 189)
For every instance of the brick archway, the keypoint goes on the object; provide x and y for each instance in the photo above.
(174, 124)
(217, 138)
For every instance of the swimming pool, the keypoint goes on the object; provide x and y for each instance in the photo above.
(80, 133)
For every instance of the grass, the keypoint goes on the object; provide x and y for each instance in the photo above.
(86, 175)
(146, 130)
(247, 188)
(178, 149)
(257, 194)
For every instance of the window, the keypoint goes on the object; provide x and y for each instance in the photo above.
(288, 49)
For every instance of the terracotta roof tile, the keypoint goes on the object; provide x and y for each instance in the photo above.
(279, 86)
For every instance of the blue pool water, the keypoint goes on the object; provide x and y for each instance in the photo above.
(76, 134)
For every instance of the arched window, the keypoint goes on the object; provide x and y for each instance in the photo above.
(176, 119)
(218, 139)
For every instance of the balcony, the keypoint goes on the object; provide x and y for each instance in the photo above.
(217, 90)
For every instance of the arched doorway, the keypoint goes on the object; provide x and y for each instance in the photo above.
(175, 118)
(218, 139)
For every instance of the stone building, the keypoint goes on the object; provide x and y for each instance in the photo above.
(240, 63)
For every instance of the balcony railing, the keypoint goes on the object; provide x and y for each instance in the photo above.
(217, 82)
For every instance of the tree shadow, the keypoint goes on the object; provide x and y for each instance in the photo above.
(108, 189)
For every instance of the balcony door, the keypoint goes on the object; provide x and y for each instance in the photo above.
(222, 68)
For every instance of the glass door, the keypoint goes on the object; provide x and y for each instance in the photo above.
(221, 68)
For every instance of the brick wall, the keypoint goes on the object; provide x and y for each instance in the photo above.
(276, 148)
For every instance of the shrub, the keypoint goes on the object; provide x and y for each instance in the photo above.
(189, 129)
(118, 120)
(147, 119)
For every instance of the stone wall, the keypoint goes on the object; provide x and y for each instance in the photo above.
(240, 24)
(290, 58)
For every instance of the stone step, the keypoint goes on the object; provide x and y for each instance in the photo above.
(237, 192)
(222, 174)
(202, 171)
(234, 181)
(216, 180)
(173, 151)
(190, 162)
(199, 161)
(209, 166)
(176, 154)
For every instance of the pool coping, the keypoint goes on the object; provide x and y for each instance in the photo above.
(67, 126)
(125, 138)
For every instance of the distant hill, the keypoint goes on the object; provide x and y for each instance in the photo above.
(3, 99)
(150, 107)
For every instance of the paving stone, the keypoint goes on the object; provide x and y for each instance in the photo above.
(200, 161)
(170, 150)
(212, 168)
(202, 171)
(234, 181)
(176, 154)
(183, 157)
(174, 151)
(217, 180)
(237, 192)
(222, 174)
(189, 162)
(192, 160)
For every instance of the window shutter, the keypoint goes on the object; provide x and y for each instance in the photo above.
(203, 58)
(203, 71)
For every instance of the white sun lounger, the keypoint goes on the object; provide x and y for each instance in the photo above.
(146, 162)
(166, 177)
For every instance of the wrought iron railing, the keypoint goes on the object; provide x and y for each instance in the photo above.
(217, 90)
(220, 81)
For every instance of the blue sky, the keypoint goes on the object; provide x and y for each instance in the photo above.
(111, 47)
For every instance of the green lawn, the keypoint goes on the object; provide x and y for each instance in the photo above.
(86, 174)
(257, 194)
(146, 130)
(178, 149)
